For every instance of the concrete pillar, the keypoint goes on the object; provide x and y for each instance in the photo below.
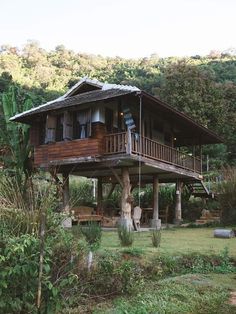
(99, 196)
(178, 208)
(126, 219)
(156, 222)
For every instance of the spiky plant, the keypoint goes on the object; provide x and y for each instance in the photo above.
(156, 238)
(125, 235)
(93, 235)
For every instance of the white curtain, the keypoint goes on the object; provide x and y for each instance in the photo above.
(84, 119)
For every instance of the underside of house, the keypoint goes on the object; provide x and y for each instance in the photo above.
(118, 134)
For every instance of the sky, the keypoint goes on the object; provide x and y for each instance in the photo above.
(125, 28)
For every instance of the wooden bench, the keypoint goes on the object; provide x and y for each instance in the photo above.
(85, 214)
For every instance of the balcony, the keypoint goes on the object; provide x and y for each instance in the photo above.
(114, 144)
(132, 143)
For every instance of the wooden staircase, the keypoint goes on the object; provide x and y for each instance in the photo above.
(209, 217)
(199, 189)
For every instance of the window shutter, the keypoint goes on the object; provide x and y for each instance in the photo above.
(68, 126)
(51, 123)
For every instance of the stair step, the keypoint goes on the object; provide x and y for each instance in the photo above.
(201, 221)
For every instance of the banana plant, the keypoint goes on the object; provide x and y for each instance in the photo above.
(15, 136)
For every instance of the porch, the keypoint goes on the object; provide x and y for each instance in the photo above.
(133, 144)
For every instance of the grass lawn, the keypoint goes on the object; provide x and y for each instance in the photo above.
(186, 294)
(174, 241)
(191, 293)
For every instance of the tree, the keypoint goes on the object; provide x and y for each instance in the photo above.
(193, 91)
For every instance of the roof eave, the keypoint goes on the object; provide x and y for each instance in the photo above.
(215, 137)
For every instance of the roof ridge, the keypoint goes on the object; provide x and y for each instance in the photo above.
(103, 86)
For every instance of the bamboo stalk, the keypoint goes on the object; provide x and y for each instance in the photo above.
(41, 255)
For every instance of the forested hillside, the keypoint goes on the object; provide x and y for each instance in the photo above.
(203, 87)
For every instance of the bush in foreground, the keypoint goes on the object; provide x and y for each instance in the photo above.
(125, 236)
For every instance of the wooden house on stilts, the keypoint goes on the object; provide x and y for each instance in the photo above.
(118, 134)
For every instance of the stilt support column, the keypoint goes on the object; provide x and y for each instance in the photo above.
(178, 206)
(156, 222)
(99, 196)
(126, 219)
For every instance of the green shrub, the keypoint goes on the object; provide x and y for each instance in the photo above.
(134, 251)
(19, 258)
(19, 264)
(115, 275)
(125, 236)
(93, 234)
(156, 238)
(165, 265)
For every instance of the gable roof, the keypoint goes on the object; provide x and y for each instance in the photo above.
(72, 97)
(98, 91)
(61, 102)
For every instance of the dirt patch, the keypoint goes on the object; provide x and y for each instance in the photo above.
(232, 299)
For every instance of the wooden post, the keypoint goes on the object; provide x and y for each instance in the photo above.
(156, 222)
(67, 222)
(125, 200)
(99, 196)
(178, 207)
(66, 194)
(41, 255)
(200, 148)
(129, 142)
(194, 158)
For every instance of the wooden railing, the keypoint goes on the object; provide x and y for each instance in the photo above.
(132, 143)
(115, 143)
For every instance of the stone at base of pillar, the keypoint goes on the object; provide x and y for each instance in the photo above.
(67, 222)
(178, 221)
(156, 223)
(125, 222)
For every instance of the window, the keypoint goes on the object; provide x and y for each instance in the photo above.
(51, 123)
(109, 119)
(67, 126)
(82, 124)
(59, 128)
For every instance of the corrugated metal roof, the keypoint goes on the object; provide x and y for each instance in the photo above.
(102, 86)
(66, 100)
(61, 102)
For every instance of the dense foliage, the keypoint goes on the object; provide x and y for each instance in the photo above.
(227, 196)
(203, 87)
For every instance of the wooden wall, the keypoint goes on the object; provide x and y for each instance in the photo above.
(63, 150)
(35, 134)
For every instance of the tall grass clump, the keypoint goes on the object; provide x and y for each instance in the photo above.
(93, 235)
(20, 212)
(156, 237)
(125, 235)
